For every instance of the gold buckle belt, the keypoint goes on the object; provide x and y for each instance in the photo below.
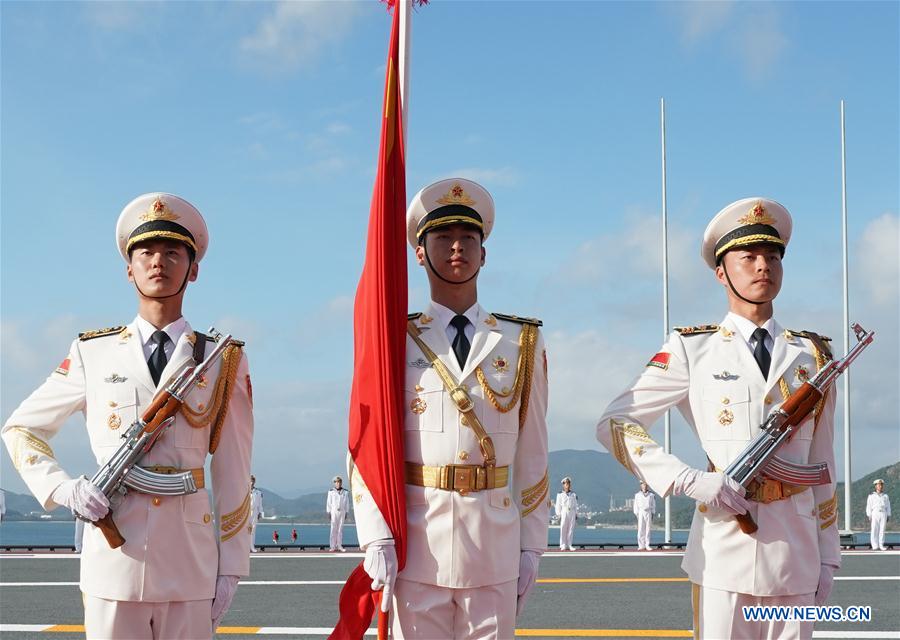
(456, 477)
(770, 490)
(199, 476)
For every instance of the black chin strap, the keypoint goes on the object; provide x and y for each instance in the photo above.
(735, 291)
(172, 295)
(435, 271)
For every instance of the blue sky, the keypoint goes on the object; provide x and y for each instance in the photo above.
(265, 116)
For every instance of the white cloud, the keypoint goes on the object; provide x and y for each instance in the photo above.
(120, 16)
(338, 128)
(762, 42)
(699, 19)
(295, 34)
(879, 259)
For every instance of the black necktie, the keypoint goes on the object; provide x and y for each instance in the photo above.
(158, 359)
(461, 344)
(760, 353)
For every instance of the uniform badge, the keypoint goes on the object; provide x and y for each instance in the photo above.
(639, 451)
(114, 421)
(202, 382)
(500, 364)
(420, 363)
(423, 319)
(124, 334)
(490, 321)
(802, 373)
(31, 459)
(660, 360)
(726, 333)
(418, 406)
(114, 378)
(63, 368)
(726, 376)
(726, 417)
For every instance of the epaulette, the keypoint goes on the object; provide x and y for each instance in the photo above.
(808, 335)
(518, 319)
(413, 316)
(700, 328)
(819, 341)
(99, 333)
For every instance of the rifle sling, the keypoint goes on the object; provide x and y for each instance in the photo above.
(463, 402)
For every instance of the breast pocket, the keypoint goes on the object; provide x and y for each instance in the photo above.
(196, 411)
(726, 411)
(423, 401)
(116, 408)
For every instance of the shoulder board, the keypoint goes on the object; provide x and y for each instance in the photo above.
(517, 319)
(700, 328)
(99, 333)
(234, 341)
(413, 316)
(808, 335)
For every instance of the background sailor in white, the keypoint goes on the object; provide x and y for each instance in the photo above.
(256, 511)
(878, 510)
(474, 538)
(725, 379)
(644, 508)
(337, 505)
(178, 570)
(566, 507)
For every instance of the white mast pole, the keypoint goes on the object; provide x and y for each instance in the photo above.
(405, 8)
(848, 478)
(665, 272)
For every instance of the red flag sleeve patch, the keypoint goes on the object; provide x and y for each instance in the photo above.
(660, 360)
(63, 368)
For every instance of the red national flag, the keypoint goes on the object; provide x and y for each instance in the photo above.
(379, 323)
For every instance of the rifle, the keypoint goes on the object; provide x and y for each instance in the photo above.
(758, 459)
(121, 471)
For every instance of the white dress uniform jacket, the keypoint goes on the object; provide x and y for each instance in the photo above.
(714, 381)
(566, 507)
(471, 540)
(174, 548)
(644, 508)
(878, 510)
(338, 502)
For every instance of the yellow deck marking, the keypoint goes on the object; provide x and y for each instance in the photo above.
(590, 580)
(241, 630)
(604, 633)
(65, 628)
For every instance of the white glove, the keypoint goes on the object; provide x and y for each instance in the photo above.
(715, 489)
(528, 573)
(381, 565)
(826, 582)
(81, 497)
(226, 587)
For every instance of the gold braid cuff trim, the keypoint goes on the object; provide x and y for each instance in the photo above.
(825, 525)
(828, 509)
(534, 496)
(531, 494)
(27, 441)
(621, 430)
(233, 523)
(522, 384)
(221, 395)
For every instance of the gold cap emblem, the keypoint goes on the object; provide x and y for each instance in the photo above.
(456, 195)
(159, 210)
(757, 215)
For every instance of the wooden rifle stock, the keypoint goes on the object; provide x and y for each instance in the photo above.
(746, 523)
(110, 531)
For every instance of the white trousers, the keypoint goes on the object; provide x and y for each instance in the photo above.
(876, 535)
(566, 531)
(336, 540)
(718, 615)
(429, 612)
(119, 619)
(252, 536)
(643, 538)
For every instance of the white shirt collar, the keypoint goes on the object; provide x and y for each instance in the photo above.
(746, 327)
(174, 330)
(443, 315)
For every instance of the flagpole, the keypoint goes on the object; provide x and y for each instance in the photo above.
(665, 271)
(848, 478)
(405, 8)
